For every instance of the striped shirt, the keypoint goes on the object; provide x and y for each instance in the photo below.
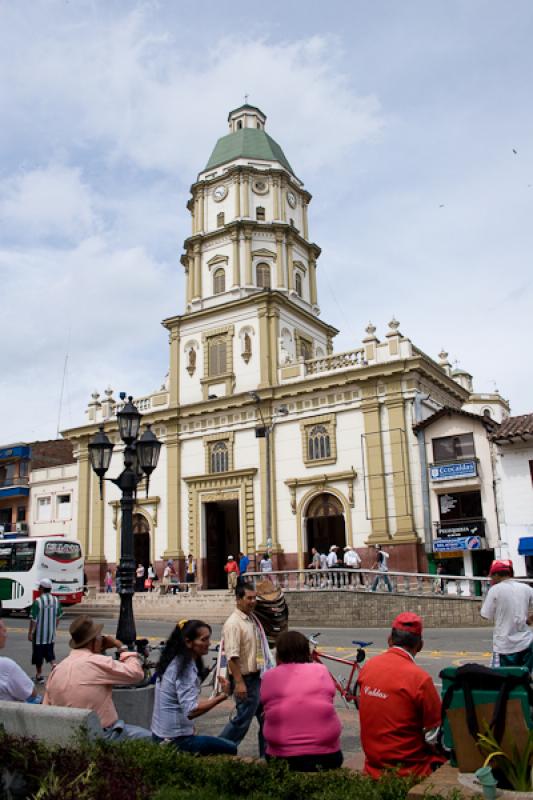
(45, 612)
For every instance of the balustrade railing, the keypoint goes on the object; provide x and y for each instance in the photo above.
(351, 358)
(418, 583)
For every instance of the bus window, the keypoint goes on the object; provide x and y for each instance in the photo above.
(5, 557)
(62, 551)
(23, 556)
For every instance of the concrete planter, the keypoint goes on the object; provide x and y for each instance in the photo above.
(469, 780)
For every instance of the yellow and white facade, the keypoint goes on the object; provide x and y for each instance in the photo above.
(344, 462)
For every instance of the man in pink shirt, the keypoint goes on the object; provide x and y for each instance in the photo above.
(85, 679)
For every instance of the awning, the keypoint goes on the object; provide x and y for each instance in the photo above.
(525, 546)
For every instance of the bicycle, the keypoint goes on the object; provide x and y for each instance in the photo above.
(346, 687)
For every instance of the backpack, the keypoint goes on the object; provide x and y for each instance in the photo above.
(474, 685)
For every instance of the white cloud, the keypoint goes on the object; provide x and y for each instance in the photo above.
(46, 203)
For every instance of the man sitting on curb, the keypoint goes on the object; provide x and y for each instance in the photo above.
(14, 683)
(399, 708)
(85, 679)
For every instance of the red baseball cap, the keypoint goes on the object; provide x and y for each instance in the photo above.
(408, 622)
(501, 566)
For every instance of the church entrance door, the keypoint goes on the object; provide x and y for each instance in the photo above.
(222, 535)
(325, 525)
(141, 541)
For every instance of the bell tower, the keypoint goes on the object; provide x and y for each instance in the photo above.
(249, 222)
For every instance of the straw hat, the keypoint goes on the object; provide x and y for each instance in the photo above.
(267, 590)
(83, 630)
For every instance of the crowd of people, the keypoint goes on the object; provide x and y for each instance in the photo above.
(292, 697)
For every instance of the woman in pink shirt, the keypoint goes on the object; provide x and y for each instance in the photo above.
(301, 724)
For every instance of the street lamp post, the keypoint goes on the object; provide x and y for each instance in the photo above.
(140, 459)
(266, 432)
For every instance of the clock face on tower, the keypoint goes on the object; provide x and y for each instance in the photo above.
(219, 193)
(291, 199)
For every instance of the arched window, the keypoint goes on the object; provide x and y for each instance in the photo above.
(219, 457)
(263, 276)
(318, 444)
(220, 219)
(298, 284)
(219, 281)
(217, 356)
(260, 213)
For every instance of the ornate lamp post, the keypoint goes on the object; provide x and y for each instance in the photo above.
(265, 432)
(140, 459)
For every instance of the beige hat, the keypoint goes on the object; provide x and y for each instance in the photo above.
(83, 630)
(266, 589)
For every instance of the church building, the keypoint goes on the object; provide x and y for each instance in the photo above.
(271, 439)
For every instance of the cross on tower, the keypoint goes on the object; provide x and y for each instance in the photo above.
(245, 99)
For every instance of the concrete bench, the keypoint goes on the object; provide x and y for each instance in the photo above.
(52, 724)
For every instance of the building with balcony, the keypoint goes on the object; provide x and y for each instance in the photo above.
(250, 355)
(17, 463)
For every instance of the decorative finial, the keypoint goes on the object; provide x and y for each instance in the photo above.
(443, 355)
(95, 395)
(394, 324)
(245, 99)
(370, 329)
(108, 392)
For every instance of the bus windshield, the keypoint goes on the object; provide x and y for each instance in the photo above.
(62, 551)
(17, 556)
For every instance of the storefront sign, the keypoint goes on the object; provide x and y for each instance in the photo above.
(450, 530)
(459, 543)
(450, 472)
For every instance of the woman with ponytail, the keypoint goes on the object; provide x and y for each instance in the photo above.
(177, 701)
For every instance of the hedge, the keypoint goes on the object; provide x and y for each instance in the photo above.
(142, 771)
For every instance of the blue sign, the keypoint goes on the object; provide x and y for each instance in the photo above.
(459, 543)
(450, 472)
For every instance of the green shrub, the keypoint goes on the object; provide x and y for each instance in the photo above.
(142, 771)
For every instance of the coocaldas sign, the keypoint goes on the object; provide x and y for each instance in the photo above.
(450, 472)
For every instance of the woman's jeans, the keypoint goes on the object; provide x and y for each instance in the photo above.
(203, 745)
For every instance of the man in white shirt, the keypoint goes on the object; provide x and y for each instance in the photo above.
(332, 556)
(509, 604)
(15, 685)
(352, 560)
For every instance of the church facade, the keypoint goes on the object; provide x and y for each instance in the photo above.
(271, 440)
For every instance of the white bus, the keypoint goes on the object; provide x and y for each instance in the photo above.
(26, 561)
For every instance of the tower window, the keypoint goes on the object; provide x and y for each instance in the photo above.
(219, 281)
(220, 219)
(219, 457)
(298, 284)
(217, 356)
(263, 276)
(260, 213)
(239, 124)
(258, 125)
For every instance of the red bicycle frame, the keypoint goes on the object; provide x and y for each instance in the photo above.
(345, 687)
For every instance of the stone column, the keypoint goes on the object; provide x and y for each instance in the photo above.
(374, 467)
(236, 259)
(405, 529)
(246, 195)
(197, 272)
(312, 281)
(84, 478)
(96, 554)
(280, 277)
(237, 191)
(174, 545)
(174, 369)
(305, 221)
(275, 190)
(290, 281)
(201, 210)
(248, 258)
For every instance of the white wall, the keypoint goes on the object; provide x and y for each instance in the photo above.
(515, 490)
(52, 482)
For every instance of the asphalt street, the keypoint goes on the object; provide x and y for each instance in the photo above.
(442, 647)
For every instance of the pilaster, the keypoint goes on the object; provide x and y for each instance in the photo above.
(237, 190)
(246, 195)
(174, 367)
(236, 259)
(305, 221)
(279, 260)
(197, 272)
(275, 192)
(174, 543)
(264, 346)
(312, 281)
(96, 539)
(248, 257)
(374, 467)
(290, 276)
(84, 476)
(405, 529)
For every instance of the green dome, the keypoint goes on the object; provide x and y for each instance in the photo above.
(247, 143)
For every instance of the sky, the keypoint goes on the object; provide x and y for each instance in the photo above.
(409, 122)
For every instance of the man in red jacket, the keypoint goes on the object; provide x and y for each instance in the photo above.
(399, 708)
